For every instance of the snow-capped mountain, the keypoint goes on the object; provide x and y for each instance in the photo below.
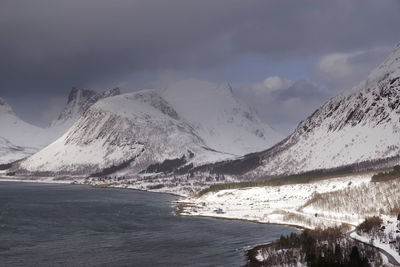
(79, 100)
(14, 132)
(19, 139)
(190, 122)
(222, 122)
(361, 124)
(10, 152)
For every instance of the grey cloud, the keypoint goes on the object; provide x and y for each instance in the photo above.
(301, 89)
(47, 41)
(341, 71)
(300, 28)
(48, 46)
(284, 109)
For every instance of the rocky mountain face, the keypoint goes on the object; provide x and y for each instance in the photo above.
(194, 131)
(187, 124)
(19, 139)
(79, 100)
(358, 125)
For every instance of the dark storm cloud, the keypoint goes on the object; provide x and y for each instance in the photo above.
(299, 28)
(46, 43)
(50, 42)
(47, 46)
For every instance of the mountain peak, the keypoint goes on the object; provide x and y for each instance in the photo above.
(77, 94)
(357, 126)
(112, 92)
(213, 110)
(374, 101)
(80, 100)
(20, 135)
(5, 107)
(151, 126)
(388, 72)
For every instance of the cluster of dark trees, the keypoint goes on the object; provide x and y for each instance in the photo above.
(167, 166)
(386, 176)
(112, 169)
(242, 165)
(329, 247)
(369, 224)
(301, 178)
(330, 253)
(5, 166)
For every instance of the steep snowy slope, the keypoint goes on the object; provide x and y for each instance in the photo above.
(18, 132)
(140, 126)
(19, 139)
(148, 127)
(358, 125)
(10, 152)
(222, 122)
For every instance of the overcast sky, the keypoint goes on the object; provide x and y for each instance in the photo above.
(283, 57)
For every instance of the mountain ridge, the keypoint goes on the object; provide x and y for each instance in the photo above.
(358, 125)
(80, 100)
(153, 126)
(20, 139)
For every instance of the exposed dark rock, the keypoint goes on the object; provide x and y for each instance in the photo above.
(167, 166)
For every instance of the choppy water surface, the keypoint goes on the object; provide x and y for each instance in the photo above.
(64, 225)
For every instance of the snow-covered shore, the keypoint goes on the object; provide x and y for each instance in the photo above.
(301, 205)
(284, 204)
(321, 204)
(384, 245)
(45, 180)
(332, 202)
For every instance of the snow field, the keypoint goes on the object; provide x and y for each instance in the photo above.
(287, 204)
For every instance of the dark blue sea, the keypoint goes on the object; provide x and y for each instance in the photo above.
(74, 225)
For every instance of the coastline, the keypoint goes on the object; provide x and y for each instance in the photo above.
(181, 205)
(39, 181)
(298, 227)
(320, 204)
(177, 203)
(174, 203)
(49, 180)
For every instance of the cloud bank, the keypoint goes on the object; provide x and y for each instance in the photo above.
(48, 46)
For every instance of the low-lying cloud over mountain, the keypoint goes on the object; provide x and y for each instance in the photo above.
(340, 70)
(284, 103)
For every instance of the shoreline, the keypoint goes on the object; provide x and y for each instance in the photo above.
(174, 203)
(6, 179)
(66, 182)
(298, 227)
(297, 206)
(179, 206)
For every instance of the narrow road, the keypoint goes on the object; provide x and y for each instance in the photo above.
(389, 256)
